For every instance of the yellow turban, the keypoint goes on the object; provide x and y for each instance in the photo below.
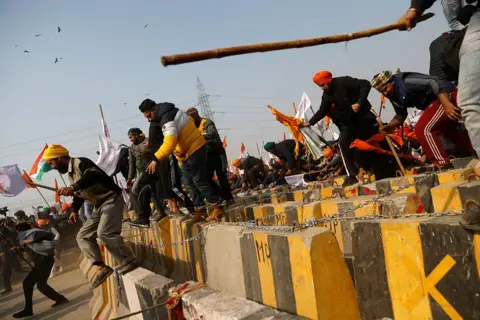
(236, 162)
(54, 151)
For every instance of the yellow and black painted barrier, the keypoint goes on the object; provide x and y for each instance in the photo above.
(417, 269)
(302, 273)
(452, 196)
(456, 175)
(423, 184)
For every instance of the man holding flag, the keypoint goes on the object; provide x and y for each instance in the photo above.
(345, 101)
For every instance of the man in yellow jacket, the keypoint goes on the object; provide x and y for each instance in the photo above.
(183, 139)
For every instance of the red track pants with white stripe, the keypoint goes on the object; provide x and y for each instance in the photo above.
(434, 122)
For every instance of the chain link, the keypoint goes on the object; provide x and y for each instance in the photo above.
(338, 217)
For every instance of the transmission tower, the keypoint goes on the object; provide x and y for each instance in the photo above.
(202, 101)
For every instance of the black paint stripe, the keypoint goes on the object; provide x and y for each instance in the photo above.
(460, 285)
(423, 190)
(251, 274)
(373, 293)
(191, 252)
(282, 273)
(203, 258)
(249, 212)
(290, 196)
(291, 213)
(271, 215)
(346, 228)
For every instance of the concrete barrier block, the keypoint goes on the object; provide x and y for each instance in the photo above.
(224, 259)
(207, 303)
(255, 212)
(312, 210)
(144, 289)
(463, 162)
(456, 175)
(424, 183)
(452, 196)
(397, 205)
(196, 249)
(306, 195)
(423, 268)
(284, 214)
(301, 273)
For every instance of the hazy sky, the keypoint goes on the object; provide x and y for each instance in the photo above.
(109, 58)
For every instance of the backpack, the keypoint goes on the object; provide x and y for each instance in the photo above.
(450, 55)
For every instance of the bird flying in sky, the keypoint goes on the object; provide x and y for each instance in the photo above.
(59, 29)
(38, 35)
(145, 26)
(56, 60)
(25, 51)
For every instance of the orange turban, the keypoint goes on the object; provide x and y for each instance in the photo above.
(41, 223)
(328, 152)
(236, 162)
(322, 77)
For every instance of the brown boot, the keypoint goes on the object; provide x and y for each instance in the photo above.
(215, 213)
(198, 215)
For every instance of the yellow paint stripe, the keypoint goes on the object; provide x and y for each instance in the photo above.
(310, 211)
(405, 270)
(281, 219)
(265, 269)
(446, 197)
(330, 208)
(260, 212)
(186, 251)
(396, 184)
(197, 255)
(302, 278)
(326, 192)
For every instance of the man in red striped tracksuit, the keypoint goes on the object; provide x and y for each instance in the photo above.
(438, 99)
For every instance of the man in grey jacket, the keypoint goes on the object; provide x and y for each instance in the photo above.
(39, 243)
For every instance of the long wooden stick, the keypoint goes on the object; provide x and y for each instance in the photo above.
(36, 185)
(274, 46)
(390, 144)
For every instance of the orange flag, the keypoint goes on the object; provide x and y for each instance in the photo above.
(382, 100)
(284, 136)
(224, 142)
(57, 196)
(28, 180)
(294, 109)
(291, 123)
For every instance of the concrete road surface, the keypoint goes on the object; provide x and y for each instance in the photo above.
(71, 283)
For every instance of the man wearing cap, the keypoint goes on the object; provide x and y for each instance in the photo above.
(438, 100)
(144, 187)
(90, 182)
(345, 101)
(285, 151)
(216, 155)
(180, 137)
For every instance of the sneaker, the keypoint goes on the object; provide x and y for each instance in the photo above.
(101, 276)
(156, 217)
(23, 314)
(60, 302)
(139, 223)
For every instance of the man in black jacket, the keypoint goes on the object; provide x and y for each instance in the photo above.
(216, 155)
(39, 243)
(253, 170)
(285, 151)
(345, 101)
(89, 182)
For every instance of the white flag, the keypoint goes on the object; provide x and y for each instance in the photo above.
(109, 154)
(11, 181)
(304, 105)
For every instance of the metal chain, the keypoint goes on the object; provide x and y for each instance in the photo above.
(338, 217)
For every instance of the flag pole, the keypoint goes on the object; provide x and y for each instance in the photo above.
(61, 177)
(35, 186)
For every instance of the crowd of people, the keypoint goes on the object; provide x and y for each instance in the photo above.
(182, 162)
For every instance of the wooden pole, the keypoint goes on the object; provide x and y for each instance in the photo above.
(275, 46)
(36, 185)
(61, 177)
(101, 113)
(390, 144)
